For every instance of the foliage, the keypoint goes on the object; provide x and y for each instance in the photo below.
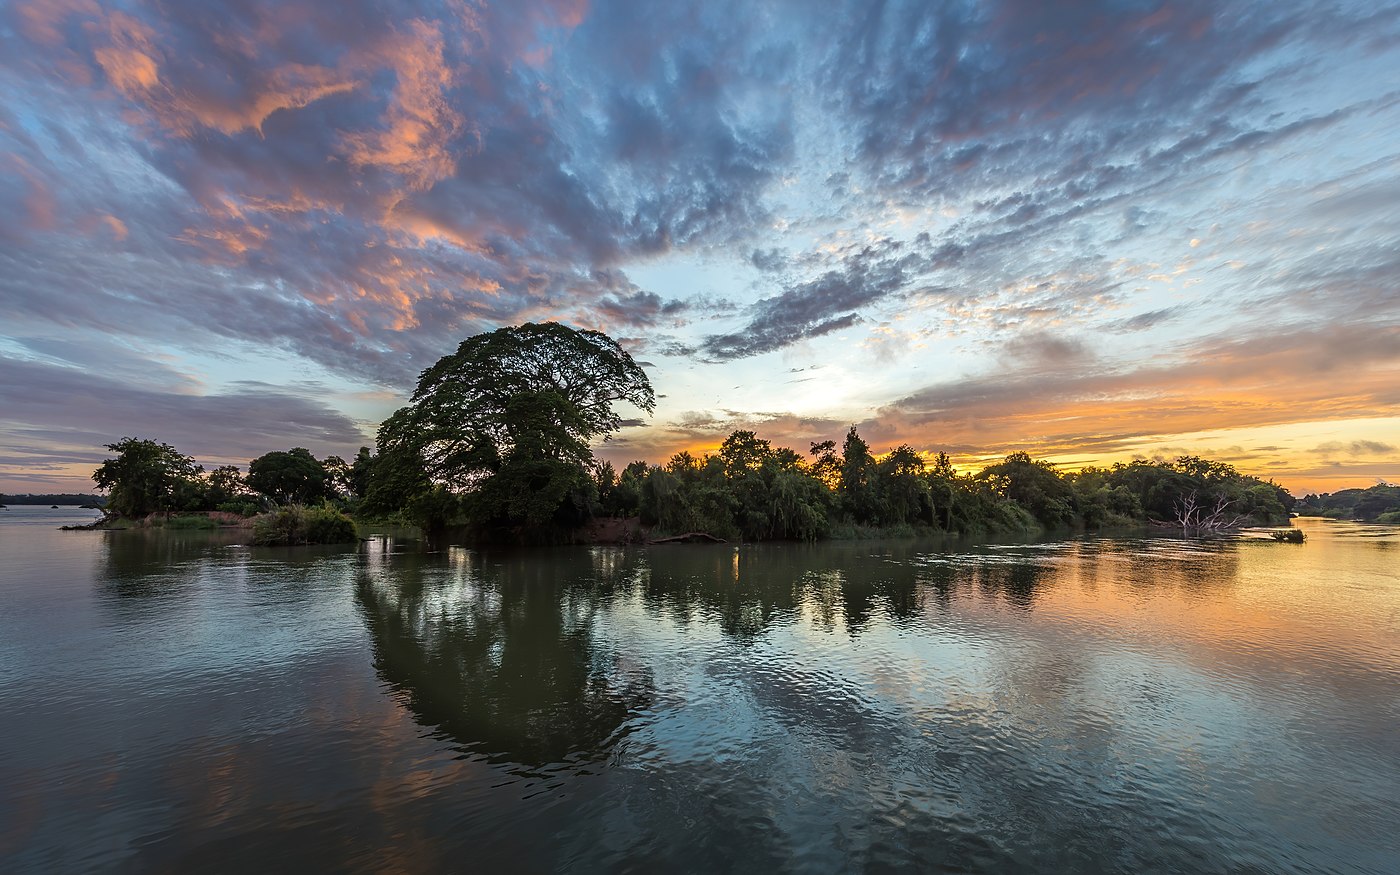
(752, 490)
(689, 495)
(906, 493)
(297, 524)
(498, 436)
(242, 508)
(1379, 503)
(224, 485)
(291, 477)
(545, 483)
(147, 477)
(338, 483)
(1035, 486)
(504, 424)
(858, 493)
(748, 490)
(1161, 488)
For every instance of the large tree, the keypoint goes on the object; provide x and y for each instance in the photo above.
(291, 477)
(508, 418)
(147, 476)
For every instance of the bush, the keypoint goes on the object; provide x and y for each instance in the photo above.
(1392, 517)
(302, 525)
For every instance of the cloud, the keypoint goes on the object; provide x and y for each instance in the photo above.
(57, 418)
(1216, 383)
(1149, 320)
(1356, 448)
(822, 305)
(407, 173)
(1059, 187)
(1041, 351)
(979, 89)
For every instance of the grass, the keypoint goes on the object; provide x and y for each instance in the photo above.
(185, 522)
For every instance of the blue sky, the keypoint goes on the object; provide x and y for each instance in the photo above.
(1093, 231)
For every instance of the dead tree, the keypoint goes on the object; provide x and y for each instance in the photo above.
(1193, 515)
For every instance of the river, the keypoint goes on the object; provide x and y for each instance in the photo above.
(179, 702)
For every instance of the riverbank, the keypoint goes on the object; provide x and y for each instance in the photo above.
(197, 520)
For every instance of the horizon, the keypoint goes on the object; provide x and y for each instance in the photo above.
(1089, 232)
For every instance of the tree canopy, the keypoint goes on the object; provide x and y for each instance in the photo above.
(147, 477)
(753, 490)
(291, 477)
(507, 421)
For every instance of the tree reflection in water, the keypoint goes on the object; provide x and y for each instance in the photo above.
(508, 653)
(499, 652)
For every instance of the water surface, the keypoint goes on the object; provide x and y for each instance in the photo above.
(180, 702)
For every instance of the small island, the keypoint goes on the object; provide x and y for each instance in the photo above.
(496, 444)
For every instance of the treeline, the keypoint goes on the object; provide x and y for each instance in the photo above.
(497, 437)
(298, 498)
(1379, 503)
(61, 498)
(747, 490)
(750, 490)
(149, 477)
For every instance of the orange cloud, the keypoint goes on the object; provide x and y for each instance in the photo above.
(117, 226)
(132, 58)
(420, 124)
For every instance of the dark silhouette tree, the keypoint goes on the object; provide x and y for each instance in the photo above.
(907, 498)
(147, 477)
(291, 477)
(1035, 486)
(506, 421)
(360, 472)
(859, 494)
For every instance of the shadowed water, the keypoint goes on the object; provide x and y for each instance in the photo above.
(180, 702)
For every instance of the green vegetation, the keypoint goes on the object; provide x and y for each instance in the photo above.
(185, 521)
(497, 437)
(497, 434)
(1379, 503)
(1289, 536)
(291, 477)
(752, 491)
(296, 524)
(147, 477)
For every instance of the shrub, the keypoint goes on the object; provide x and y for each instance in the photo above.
(1391, 517)
(302, 525)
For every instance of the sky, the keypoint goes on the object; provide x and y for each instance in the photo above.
(1092, 231)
